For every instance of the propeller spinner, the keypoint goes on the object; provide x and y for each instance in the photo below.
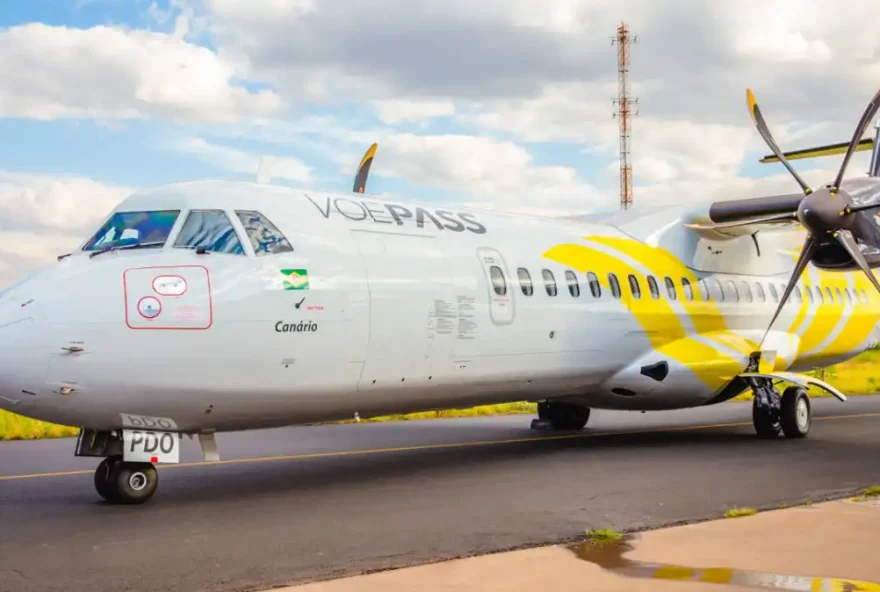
(827, 212)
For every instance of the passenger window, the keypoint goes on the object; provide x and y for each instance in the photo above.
(210, 230)
(796, 293)
(704, 289)
(747, 290)
(760, 289)
(734, 292)
(549, 282)
(839, 296)
(864, 296)
(652, 285)
(615, 285)
(634, 287)
(525, 281)
(849, 299)
(595, 287)
(829, 294)
(809, 294)
(127, 229)
(773, 292)
(265, 237)
(670, 288)
(688, 290)
(498, 283)
(573, 287)
(716, 291)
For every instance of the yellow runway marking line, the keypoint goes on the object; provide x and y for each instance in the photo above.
(420, 447)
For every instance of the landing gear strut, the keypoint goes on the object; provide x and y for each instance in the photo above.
(561, 416)
(120, 482)
(789, 414)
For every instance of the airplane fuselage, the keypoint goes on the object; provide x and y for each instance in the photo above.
(388, 307)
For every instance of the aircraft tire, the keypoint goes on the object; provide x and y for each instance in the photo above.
(134, 483)
(564, 416)
(104, 484)
(765, 424)
(796, 416)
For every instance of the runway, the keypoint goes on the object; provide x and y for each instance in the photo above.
(297, 504)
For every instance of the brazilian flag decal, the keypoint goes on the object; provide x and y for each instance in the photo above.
(296, 279)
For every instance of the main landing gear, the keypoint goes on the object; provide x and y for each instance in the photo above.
(561, 416)
(789, 414)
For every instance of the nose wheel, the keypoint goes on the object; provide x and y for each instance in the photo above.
(120, 482)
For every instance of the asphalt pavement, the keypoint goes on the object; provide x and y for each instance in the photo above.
(298, 504)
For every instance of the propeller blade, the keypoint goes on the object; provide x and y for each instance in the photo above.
(863, 207)
(845, 238)
(867, 116)
(360, 179)
(788, 217)
(768, 138)
(807, 252)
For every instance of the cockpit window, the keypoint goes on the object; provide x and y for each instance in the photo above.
(265, 237)
(127, 229)
(210, 229)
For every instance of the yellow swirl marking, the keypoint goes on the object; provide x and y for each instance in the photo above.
(661, 325)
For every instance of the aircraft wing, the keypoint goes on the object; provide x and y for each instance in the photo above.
(817, 151)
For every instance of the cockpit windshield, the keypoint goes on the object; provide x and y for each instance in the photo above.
(130, 229)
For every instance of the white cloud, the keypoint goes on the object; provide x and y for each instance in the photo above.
(393, 111)
(242, 162)
(52, 72)
(44, 216)
(485, 171)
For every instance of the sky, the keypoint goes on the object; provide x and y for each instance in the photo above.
(500, 103)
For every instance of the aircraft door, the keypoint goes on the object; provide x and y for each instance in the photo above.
(499, 284)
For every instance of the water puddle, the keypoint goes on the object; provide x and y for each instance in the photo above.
(610, 556)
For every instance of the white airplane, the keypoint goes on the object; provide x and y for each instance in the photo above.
(211, 306)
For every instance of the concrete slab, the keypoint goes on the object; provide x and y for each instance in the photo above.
(823, 547)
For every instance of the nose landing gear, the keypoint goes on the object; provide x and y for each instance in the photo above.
(121, 482)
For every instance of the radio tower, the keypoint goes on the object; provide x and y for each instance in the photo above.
(623, 114)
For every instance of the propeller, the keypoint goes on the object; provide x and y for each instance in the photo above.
(826, 213)
(360, 179)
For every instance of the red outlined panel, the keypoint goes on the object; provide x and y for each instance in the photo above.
(170, 298)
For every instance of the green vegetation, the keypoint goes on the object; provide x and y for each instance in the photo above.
(740, 512)
(859, 376)
(601, 536)
(873, 491)
(16, 427)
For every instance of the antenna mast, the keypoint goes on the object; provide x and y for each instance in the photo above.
(623, 114)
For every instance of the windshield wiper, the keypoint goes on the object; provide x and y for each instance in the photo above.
(121, 247)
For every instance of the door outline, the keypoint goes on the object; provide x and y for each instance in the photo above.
(502, 309)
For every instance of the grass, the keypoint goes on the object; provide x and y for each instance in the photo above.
(740, 512)
(873, 491)
(16, 427)
(859, 376)
(603, 535)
